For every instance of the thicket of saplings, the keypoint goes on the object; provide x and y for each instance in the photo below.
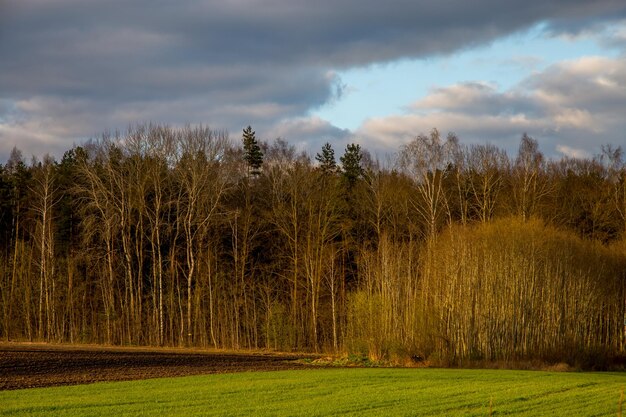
(449, 253)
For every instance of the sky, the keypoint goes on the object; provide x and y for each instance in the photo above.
(340, 71)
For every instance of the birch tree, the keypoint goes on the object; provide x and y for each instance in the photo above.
(425, 160)
(202, 184)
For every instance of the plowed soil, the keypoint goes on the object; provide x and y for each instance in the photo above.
(41, 365)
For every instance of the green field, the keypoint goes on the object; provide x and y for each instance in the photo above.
(318, 392)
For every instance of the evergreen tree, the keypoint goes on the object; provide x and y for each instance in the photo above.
(68, 177)
(351, 163)
(327, 159)
(6, 209)
(252, 153)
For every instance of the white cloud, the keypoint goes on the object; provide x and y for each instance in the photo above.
(572, 152)
(309, 133)
(571, 108)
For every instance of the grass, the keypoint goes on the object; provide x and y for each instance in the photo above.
(320, 392)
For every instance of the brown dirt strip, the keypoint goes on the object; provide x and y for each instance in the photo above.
(25, 365)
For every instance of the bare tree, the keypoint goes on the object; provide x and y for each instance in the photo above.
(322, 227)
(613, 157)
(288, 194)
(530, 183)
(45, 195)
(487, 166)
(425, 160)
(100, 220)
(202, 184)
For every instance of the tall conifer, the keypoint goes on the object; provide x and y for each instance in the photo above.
(327, 159)
(252, 153)
(351, 163)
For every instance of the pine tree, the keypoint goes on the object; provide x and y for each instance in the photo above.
(327, 159)
(351, 163)
(252, 152)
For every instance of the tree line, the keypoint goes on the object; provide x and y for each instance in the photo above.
(182, 237)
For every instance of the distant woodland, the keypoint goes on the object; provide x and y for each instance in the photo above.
(183, 237)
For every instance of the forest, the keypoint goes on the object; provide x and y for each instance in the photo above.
(445, 252)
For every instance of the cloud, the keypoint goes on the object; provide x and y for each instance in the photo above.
(572, 152)
(572, 107)
(310, 133)
(70, 68)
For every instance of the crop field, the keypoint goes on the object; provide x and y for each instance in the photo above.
(43, 365)
(319, 392)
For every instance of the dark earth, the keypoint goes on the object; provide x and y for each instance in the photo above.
(42, 365)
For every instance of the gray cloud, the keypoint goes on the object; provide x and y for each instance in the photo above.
(71, 68)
